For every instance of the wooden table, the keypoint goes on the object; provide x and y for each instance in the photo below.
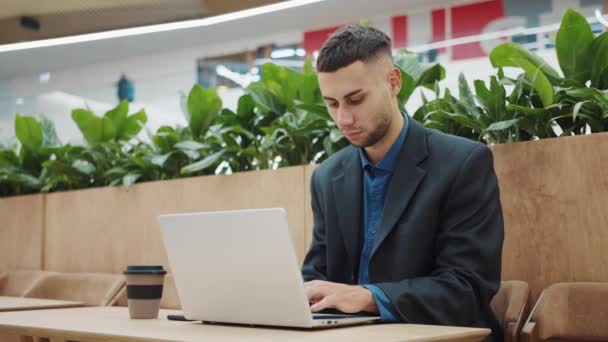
(113, 323)
(21, 303)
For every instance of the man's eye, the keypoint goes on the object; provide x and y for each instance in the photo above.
(356, 101)
(332, 104)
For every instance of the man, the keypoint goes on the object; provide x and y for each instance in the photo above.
(407, 221)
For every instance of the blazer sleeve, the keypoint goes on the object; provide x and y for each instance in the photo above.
(468, 252)
(315, 262)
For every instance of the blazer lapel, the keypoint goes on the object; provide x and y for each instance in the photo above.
(404, 182)
(348, 188)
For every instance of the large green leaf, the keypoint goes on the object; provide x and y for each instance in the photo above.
(202, 164)
(309, 91)
(408, 85)
(160, 160)
(460, 118)
(542, 85)
(84, 166)
(408, 62)
(245, 106)
(466, 96)
(50, 138)
(29, 132)
(282, 82)
(431, 76)
(502, 125)
(599, 68)
(8, 158)
(17, 176)
(319, 110)
(590, 93)
(527, 110)
(129, 179)
(264, 99)
(493, 99)
(189, 145)
(308, 67)
(59, 167)
(573, 43)
(423, 75)
(94, 129)
(512, 55)
(414, 74)
(133, 125)
(165, 138)
(533, 69)
(118, 115)
(203, 106)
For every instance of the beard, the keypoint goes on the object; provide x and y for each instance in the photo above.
(379, 131)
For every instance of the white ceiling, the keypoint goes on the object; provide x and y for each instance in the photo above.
(318, 15)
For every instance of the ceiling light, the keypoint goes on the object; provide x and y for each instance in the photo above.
(45, 77)
(134, 31)
(283, 53)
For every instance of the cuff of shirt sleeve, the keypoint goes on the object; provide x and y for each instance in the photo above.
(385, 307)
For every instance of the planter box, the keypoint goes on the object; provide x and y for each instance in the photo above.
(103, 229)
(555, 202)
(21, 232)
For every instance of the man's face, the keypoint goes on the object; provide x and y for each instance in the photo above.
(360, 98)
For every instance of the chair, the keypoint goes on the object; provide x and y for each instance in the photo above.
(92, 289)
(569, 312)
(17, 283)
(170, 300)
(510, 306)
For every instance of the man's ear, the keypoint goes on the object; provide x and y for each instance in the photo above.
(394, 79)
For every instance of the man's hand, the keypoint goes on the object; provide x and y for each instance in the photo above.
(346, 298)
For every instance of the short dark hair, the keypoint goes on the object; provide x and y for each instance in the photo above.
(350, 44)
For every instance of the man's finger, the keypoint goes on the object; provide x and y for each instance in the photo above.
(326, 303)
(314, 294)
(315, 291)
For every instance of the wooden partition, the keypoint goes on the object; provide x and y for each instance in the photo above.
(102, 230)
(21, 232)
(554, 196)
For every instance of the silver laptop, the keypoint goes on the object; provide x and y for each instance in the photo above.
(240, 267)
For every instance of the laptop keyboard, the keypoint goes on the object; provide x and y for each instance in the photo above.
(336, 314)
(327, 316)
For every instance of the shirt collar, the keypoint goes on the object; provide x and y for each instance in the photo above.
(389, 161)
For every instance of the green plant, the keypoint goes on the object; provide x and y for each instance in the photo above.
(22, 170)
(75, 167)
(576, 100)
(293, 119)
(414, 75)
(114, 125)
(542, 103)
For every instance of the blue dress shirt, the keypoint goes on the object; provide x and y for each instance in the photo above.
(376, 178)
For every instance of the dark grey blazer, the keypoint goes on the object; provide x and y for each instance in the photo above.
(437, 253)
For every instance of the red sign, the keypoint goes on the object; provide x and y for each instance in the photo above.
(424, 28)
(470, 20)
(314, 40)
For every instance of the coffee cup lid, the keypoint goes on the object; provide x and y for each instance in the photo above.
(141, 269)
